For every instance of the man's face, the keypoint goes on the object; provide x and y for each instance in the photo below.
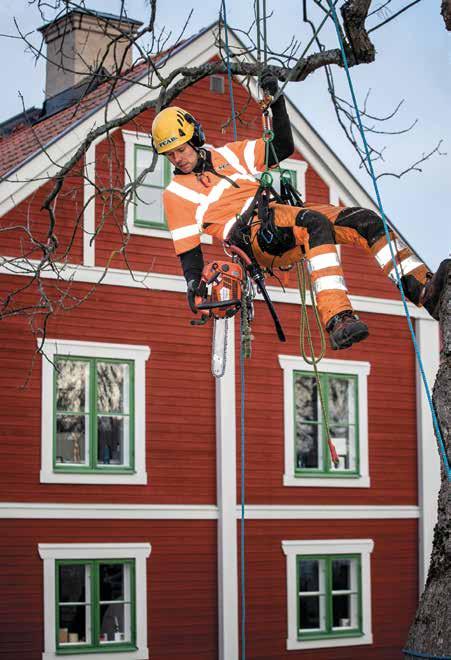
(183, 157)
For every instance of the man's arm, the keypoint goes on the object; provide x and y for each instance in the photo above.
(283, 137)
(192, 263)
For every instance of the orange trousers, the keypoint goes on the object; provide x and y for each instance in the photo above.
(316, 229)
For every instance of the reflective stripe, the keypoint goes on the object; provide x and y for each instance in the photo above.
(216, 192)
(249, 156)
(384, 254)
(231, 158)
(328, 260)
(406, 266)
(330, 282)
(229, 224)
(184, 232)
(227, 227)
(185, 193)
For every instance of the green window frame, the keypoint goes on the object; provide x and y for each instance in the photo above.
(96, 622)
(154, 181)
(321, 604)
(311, 451)
(89, 402)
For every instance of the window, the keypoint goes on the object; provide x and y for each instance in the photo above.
(217, 84)
(340, 395)
(296, 170)
(94, 421)
(344, 388)
(93, 426)
(95, 600)
(144, 212)
(328, 593)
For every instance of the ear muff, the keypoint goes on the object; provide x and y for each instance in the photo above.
(198, 138)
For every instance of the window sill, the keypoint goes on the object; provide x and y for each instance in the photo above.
(139, 654)
(326, 482)
(297, 645)
(141, 230)
(103, 478)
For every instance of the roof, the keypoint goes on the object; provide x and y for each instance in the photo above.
(29, 137)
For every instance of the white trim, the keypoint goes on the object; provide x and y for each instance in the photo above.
(329, 512)
(164, 282)
(290, 363)
(130, 139)
(427, 334)
(89, 206)
(57, 511)
(291, 549)
(140, 354)
(50, 552)
(228, 629)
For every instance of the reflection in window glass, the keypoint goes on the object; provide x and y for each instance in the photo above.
(74, 611)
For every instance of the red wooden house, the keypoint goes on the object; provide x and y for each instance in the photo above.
(120, 498)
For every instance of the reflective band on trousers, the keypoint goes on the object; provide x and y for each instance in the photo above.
(328, 260)
(184, 232)
(405, 267)
(329, 282)
(384, 254)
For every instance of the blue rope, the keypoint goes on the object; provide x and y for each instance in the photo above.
(417, 654)
(243, 391)
(387, 234)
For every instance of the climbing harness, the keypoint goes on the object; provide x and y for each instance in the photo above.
(438, 433)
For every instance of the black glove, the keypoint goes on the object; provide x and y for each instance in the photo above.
(269, 82)
(192, 291)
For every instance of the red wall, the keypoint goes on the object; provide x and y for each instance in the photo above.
(182, 618)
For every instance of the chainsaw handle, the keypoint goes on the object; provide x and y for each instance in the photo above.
(220, 304)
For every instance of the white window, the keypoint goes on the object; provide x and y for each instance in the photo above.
(93, 413)
(294, 171)
(343, 385)
(144, 210)
(95, 600)
(328, 593)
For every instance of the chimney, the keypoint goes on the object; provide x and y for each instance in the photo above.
(76, 43)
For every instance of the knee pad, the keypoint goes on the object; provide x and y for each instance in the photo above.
(319, 228)
(364, 221)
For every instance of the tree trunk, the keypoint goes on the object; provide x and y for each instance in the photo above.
(446, 13)
(430, 633)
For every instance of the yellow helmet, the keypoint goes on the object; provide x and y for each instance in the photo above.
(173, 127)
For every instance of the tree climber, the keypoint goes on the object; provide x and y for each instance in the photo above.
(212, 186)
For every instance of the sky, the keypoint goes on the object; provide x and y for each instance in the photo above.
(412, 64)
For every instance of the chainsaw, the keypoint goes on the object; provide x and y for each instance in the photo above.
(220, 297)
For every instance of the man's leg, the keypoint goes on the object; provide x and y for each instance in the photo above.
(313, 231)
(419, 284)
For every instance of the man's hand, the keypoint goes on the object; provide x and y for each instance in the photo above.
(269, 82)
(191, 292)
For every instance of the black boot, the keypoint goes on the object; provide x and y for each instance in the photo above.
(430, 296)
(346, 329)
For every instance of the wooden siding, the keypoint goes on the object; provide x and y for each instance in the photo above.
(393, 585)
(68, 208)
(180, 409)
(391, 413)
(181, 579)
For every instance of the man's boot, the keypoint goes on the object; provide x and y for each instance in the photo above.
(430, 296)
(346, 329)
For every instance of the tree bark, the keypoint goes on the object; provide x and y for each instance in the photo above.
(446, 13)
(430, 632)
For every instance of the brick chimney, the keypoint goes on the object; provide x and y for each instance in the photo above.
(76, 43)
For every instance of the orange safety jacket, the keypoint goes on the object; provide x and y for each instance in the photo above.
(196, 204)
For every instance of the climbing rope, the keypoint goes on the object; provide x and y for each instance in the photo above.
(417, 654)
(387, 234)
(312, 359)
